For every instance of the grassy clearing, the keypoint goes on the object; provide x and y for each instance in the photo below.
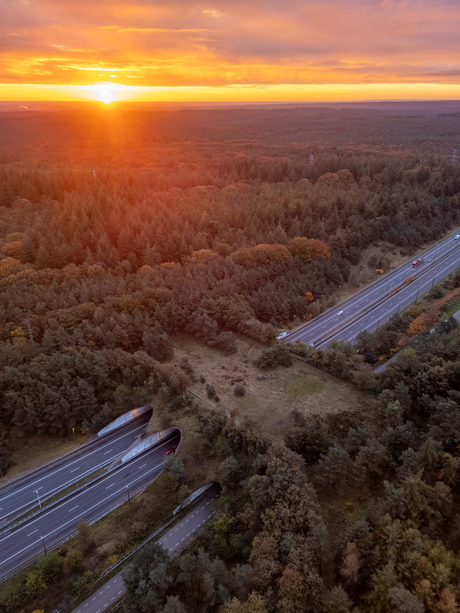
(299, 385)
(270, 394)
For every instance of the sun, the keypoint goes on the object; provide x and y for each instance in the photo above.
(105, 96)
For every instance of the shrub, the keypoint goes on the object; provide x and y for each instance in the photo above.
(50, 566)
(226, 343)
(299, 348)
(239, 390)
(73, 562)
(278, 355)
(210, 390)
(185, 365)
(13, 595)
(83, 582)
(35, 584)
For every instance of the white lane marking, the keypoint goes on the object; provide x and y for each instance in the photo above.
(86, 605)
(100, 502)
(139, 428)
(120, 592)
(181, 540)
(115, 580)
(70, 510)
(100, 593)
(72, 471)
(94, 599)
(108, 451)
(113, 598)
(106, 604)
(33, 532)
(143, 465)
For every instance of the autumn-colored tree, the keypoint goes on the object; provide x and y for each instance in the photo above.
(202, 257)
(264, 560)
(254, 604)
(352, 563)
(300, 247)
(319, 249)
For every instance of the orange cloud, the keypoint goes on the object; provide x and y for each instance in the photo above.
(228, 44)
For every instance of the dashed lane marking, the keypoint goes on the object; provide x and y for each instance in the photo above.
(70, 510)
(33, 532)
(72, 471)
(108, 451)
(120, 592)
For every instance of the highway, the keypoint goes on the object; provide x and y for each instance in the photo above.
(58, 523)
(57, 475)
(371, 307)
(173, 542)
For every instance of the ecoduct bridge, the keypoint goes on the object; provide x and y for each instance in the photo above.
(38, 510)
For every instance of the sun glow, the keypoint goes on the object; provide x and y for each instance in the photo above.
(105, 96)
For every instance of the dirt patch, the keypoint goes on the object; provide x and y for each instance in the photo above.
(270, 394)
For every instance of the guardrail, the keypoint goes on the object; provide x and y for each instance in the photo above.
(92, 521)
(123, 561)
(343, 303)
(381, 301)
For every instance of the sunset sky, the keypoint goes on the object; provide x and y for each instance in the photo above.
(229, 50)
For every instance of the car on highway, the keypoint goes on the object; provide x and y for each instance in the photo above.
(340, 313)
(457, 236)
(170, 451)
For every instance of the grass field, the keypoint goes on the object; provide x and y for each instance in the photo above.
(270, 394)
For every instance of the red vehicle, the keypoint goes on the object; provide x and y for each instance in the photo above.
(170, 451)
(415, 263)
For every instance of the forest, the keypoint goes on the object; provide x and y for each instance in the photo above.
(120, 229)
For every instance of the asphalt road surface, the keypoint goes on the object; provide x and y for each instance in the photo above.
(173, 541)
(55, 525)
(56, 476)
(373, 306)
